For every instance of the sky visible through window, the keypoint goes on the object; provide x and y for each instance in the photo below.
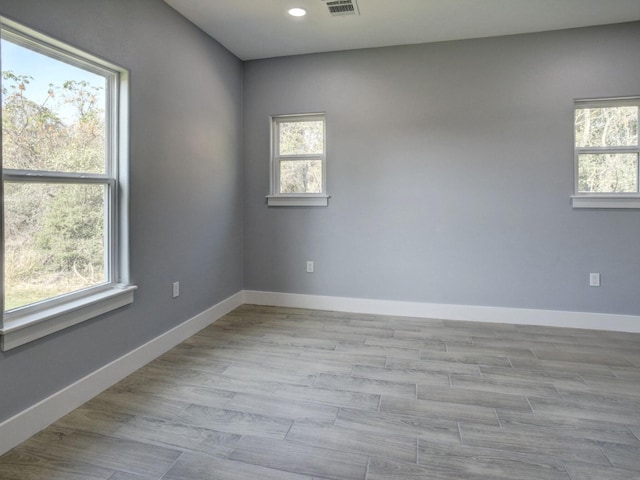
(45, 71)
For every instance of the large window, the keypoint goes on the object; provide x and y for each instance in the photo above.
(607, 153)
(63, 165)
(298, 160)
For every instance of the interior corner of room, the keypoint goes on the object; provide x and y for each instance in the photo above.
(447, 192)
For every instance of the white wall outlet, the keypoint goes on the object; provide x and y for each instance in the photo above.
(309, 266)
(594, 279)
(176, 289)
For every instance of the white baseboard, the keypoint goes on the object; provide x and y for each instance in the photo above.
(518, 316)
(23, 425)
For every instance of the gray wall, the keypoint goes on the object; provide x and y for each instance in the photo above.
(450, 168)
(186, 171)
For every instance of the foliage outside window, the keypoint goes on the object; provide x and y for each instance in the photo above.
(607, 152)
(61, 178)
(298, 160)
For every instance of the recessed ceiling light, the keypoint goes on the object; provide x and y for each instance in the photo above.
(297, 12)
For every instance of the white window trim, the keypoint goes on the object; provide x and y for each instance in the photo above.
(277, 199)
(26, 324)
(298, 200)
(604, 200)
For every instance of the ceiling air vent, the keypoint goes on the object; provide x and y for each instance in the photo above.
(342, 7)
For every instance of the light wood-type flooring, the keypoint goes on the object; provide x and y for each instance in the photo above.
(287, 394)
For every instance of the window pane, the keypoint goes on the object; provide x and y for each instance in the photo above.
(302, 138)
(608, 173)
(606, 127)
(52, 113)
(301, 176)
(54, 240)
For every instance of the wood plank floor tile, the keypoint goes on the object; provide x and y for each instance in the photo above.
(177, 390)
(587, 471)
(616, 386)
(137, 404)
(283, 339)
(233, 421)
(585, 355)
(635, 429)
(430, 428)
(504, 351)
(366, 331)
(270, 374)
(450, 411)
(381, 468)
(192, 466)
(561, 366)
(404, 375)
(566, 426)
(503, 384)
(30, 472)
(471, 358)
(553, 446)
(345, 439)
(398, 323)
(38, 443)
(532, 375)
(354, 349)
(374, 360)
(115, 453)
(93, 420)
(128, 476)
(302, 364)
(513, 341)
(593, 396)
(331, 397)
(178, 436)
(365, 385)
(472, 461)
(627, 373)
(302, 459)
(192, 359)
(406, 343)
(548, 406)
(433, 366)
(434, 335)
(314, 332)
(505, 401)
(622, 455)
(282, 407)
(34, 461)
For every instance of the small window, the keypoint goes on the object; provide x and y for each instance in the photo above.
(298, 160)
(63, 166)
(607, 153)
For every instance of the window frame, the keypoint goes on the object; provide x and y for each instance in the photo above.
(28, 323)
(604, 199)
(278, 199)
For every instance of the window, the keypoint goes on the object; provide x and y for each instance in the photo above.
(298, 161)
(64, 186)
(607, 153)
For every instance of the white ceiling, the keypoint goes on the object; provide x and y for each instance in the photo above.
(253, 29)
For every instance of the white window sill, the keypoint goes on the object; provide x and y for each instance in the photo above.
(606, 201)
(308, 200)
(25, 328)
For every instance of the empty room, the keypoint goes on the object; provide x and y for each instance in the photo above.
(320, 240)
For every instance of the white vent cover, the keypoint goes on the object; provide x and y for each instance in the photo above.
(342, 7)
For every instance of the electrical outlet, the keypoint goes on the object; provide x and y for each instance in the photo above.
(176, 289)
(309, 266)
(594, 279)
